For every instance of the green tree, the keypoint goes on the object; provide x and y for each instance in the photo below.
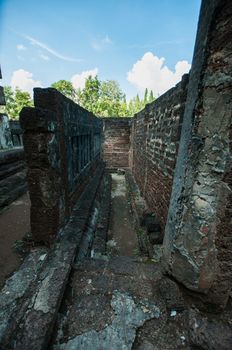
(104, 98)
(10, 102)
(66, 88)
(145, 99)
(89, 96)
(124, 108)
(111, 98)
(138, 104)
(151, 97)
(15, 101)
(22, 99)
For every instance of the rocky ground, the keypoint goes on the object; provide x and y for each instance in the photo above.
(104, 295)
(125, 302)
(121, 234)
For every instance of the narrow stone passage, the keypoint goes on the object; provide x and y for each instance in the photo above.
(121, 223)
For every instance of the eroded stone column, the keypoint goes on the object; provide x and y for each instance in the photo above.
(198, 241)
(41, 144)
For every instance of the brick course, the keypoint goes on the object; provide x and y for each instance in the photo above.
(155, 140)
(116, 142)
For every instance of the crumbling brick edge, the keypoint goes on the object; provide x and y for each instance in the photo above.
(30, 299)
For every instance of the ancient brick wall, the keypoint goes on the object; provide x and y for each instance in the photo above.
(62, 143)
(197, 245)
(154, 145)
(116, 142)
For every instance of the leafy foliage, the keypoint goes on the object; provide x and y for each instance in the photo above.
(15, 101)
(106, 99)
(66, 88)
(89, 96)
(103, 98)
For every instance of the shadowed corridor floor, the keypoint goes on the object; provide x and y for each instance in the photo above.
(121, 225)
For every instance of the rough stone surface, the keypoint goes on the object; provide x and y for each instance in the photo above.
(116, 142)
(98, 247)
(155, 138)
(197, 242)
(153, 229)
(122, 233)
(15, 240)
(62, 146)
(2, 97)
(34, 312)
(5, 133)
(121, 332)
(209, 332)
(14, 290)
(125, 287)
(12, 175)
(16, 133)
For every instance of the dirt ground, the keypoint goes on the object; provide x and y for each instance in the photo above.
(121, 226)
(14, 224)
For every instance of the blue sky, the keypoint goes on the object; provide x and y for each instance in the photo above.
(136, 42)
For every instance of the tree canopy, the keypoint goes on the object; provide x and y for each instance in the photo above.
(15, 101)
(103, 98)
(66, 88)
(106, 99)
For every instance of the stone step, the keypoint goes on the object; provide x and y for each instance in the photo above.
(11, 169)
(12, 187)
(12, 195)
(11, 155)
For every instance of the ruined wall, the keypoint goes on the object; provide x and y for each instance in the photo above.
(116, 142)
(12, 176)
(2, 97)
(155, 140)
(5, 133)
(197, 245)
(62, 143)
(16, 133)
(12, 165)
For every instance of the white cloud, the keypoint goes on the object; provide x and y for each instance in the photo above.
(150, 72)
(44, 57)
(53, 52)
(24, 81)
(20, 47)
(99, 44)
(78, 80)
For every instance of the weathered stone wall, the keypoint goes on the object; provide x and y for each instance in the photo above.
(5, 133)
(155, 140)
(12, 176)
(198, 245)
(12, 165)
(16, 133)
(116, 142)
(62, 143)
(2, 97)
